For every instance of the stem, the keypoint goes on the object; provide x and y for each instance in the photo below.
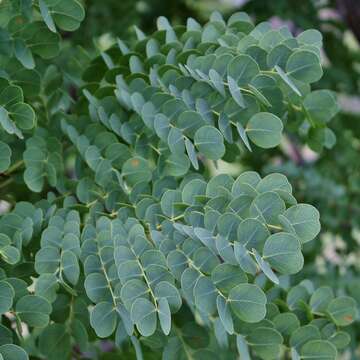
(108, 281)
(6, 182)
(14, 167)
(71, 315)
(268, 72)
(274, 227)
(177, 217)
(155, 149)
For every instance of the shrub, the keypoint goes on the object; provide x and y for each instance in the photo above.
(126, 234)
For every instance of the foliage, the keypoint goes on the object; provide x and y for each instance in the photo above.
(333, 188)
(118, 229)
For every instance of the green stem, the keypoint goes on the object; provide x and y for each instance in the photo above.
(177, 218)
(274, 227)
(6, 182)
(14, 167)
